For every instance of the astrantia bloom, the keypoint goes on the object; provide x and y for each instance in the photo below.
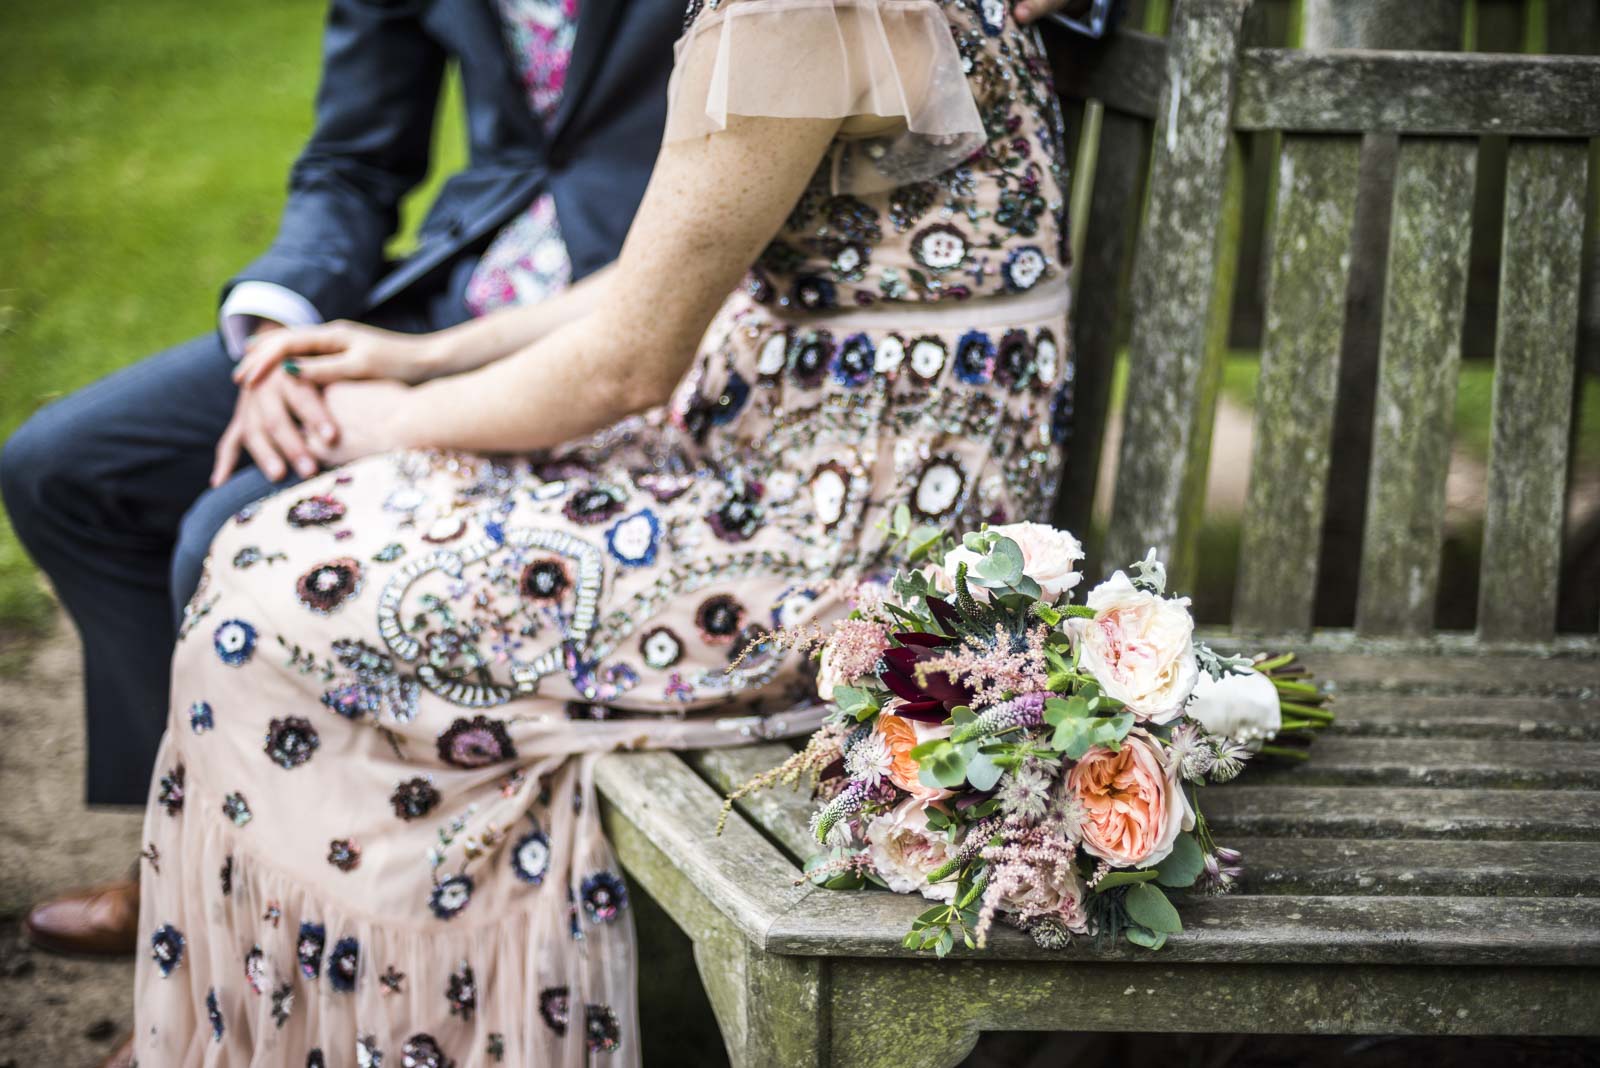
(1025, 792)
(1134, 804)
(1140, 648)
(868, 760)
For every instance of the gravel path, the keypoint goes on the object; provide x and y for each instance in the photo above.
(54, 1011)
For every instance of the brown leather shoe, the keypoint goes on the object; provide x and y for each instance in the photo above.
(122, 1056)
(102, 921)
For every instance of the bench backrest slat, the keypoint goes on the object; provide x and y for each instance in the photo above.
(1367, 264)
(1309, 271)
(1430, 235)
(1102, 271)
(1173, 293)
(1535, 361)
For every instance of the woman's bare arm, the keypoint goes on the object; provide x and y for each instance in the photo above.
(711, 206)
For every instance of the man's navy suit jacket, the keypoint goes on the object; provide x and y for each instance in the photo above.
(383, 68)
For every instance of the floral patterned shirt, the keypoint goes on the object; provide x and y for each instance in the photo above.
(528, 261)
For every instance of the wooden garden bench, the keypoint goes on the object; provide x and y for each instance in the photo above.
(1435, 868)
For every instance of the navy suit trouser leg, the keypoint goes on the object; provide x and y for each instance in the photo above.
(107, 490)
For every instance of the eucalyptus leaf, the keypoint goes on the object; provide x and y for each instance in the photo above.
(1143, 936)
(1112, 880)
(982, 772)
(1148, 906)
(1183, 865)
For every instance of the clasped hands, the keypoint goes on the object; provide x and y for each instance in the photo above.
(320, 396)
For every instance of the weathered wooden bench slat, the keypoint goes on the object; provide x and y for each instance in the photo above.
(1420, 812)
(1511, 676)
(1421, 352)
(1443, 762)
(1115, 200)
(1310, 265)
(1126, 73)
(1468, 717)
(1325, 929)
(1276, 999)
(1176, 292)
(1541, 269)
(1417, 867)
(1418, 93)
(676, 812)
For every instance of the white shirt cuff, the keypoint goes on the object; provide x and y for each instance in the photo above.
(250, 302)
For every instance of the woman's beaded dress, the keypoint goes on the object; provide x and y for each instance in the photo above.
(374, 838)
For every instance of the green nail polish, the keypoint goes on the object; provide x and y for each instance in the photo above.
(291, 368)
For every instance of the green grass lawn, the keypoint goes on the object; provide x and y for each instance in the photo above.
(147, 147)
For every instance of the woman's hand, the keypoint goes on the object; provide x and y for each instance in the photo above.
(1027, 11)
(373, 417)
(339, 351)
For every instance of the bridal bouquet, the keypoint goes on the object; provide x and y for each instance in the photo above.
(1013, 753)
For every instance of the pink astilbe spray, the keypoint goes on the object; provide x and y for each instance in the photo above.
(992, 671)
(1032, 873)
(854, 648)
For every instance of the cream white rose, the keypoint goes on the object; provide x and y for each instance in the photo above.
(904, 852)
(1242, 707)
(1140, 648)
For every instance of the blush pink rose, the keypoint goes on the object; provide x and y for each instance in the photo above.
(1054, 894)
(1133, 803)
(904, 852)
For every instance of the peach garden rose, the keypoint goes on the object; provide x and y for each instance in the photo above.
(903, 735)
(1133, 802)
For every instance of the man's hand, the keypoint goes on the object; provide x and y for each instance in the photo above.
(276, 422)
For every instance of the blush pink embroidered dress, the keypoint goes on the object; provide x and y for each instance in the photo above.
(374, 839)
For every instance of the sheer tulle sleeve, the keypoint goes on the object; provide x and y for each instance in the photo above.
(833, 59)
